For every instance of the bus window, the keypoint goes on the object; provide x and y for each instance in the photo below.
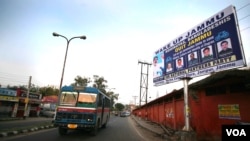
(86, 100)
(100, 100)
(68, 98)
(107, 102)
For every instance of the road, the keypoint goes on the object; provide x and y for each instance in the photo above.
(118, 128)
(24, 123)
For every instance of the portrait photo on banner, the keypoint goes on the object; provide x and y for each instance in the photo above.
(224, 47)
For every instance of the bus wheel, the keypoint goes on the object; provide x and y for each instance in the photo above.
(95, 129)
(105, 124)
(62, 131)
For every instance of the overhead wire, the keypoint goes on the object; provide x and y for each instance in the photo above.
(241, 8)
(11, 79)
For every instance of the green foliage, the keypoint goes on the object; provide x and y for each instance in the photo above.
(16, 87)
(47, 91)
(81, 81)
(98, 82)
(119, 106)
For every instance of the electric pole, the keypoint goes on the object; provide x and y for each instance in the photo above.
(144, 82)
(26, 112)
(135, 99)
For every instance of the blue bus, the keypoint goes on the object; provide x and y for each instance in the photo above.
(85, 108)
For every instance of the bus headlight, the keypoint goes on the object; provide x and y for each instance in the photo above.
(90, 120)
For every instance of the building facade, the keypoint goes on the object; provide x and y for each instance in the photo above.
(8, 102)
(222, 98)
(12, 103)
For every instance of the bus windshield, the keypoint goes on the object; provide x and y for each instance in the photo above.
(68, 98)
(86, 100)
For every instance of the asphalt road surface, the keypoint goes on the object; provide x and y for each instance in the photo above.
(19, 124)
(118, 129)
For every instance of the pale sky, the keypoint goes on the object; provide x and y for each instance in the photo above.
(119, 33)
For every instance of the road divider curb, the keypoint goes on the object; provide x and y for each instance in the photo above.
(16, 132)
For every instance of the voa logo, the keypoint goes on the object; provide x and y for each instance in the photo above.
(236, 132)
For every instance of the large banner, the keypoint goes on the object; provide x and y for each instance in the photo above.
(213, 45)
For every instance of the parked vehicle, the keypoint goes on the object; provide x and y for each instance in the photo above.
(47, 113)
(125, 114)
(116, 113)
(47, 109)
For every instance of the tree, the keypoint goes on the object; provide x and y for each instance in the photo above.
(33, 88)
(45, 91)
(113, 97)
(119, 106)
(49, 90)
(81, 81)
(100, 83)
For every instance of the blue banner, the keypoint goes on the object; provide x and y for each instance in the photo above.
(8, 92)
(212, 46)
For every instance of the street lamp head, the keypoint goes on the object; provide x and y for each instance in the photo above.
(83, 37)
(55, 34)
(111, 89)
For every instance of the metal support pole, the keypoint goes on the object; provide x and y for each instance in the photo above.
(25, 114)
(186, 105)
(140, 86)
(144, 82)
(147, 84)
(112, 97)
(135, 99)
(65, 58)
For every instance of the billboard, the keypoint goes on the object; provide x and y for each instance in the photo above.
(211, 46)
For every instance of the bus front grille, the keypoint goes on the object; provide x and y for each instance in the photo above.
(74, 117)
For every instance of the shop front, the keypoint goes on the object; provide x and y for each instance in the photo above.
(31, 102)
(8, 103)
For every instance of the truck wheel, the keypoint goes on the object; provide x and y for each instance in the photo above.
(62, 131)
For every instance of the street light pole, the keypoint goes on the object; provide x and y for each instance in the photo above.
(111, 97)
(68, 41)
(110, 89)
